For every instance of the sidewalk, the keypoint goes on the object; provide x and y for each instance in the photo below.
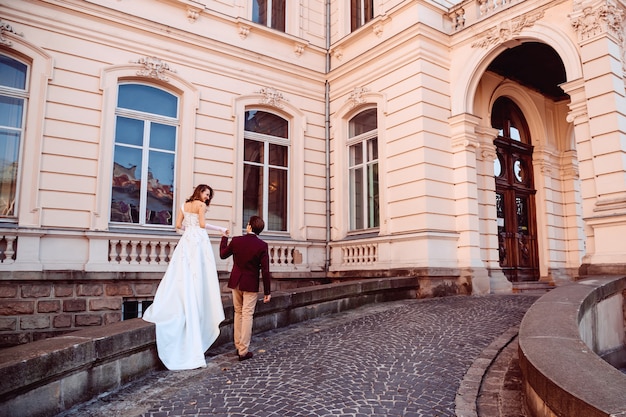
(409, 358)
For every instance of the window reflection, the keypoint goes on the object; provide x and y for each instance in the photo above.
(266, 169)
(142, 190)
(363, 171)
(13, 75)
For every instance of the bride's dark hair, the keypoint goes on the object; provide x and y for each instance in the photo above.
(197, 194)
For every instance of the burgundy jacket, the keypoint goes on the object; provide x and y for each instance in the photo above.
(250, 256)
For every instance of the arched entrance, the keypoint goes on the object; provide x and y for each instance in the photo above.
(515, 193)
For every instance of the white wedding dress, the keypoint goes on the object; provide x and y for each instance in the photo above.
(187, 307)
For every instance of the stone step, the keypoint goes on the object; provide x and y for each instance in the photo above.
(532, 287)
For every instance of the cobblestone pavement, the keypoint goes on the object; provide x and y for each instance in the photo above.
(408, 358)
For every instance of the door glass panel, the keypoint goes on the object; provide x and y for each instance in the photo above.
(515, 135)
(497, 166)
(521, 204)
(519, 171)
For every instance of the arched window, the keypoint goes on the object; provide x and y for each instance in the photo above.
(13, 96)
(363, 170)
(144, 158)
(266, 169)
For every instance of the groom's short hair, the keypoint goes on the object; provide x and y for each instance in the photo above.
(257, 224)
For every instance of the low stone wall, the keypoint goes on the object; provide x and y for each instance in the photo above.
(46, 377)
(40, 305)
(561, 340)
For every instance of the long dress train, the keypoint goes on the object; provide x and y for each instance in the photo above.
(187, 307)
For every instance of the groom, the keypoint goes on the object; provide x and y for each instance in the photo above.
(250, 256)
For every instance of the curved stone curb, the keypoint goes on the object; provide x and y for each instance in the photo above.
(467, 394)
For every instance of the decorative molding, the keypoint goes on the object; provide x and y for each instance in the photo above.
(576, 114)
(7, 28)
(605, 18)
(337, 53)
(298, 48)
(356, 96)
(153, 68)
(489, 154)
(378, 29)
(508, 29)
(617, 203)
(466, 143)
(458, 19)
(193, 14)
(244, 30)
(272, 96)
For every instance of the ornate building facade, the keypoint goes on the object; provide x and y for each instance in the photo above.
(474, 145)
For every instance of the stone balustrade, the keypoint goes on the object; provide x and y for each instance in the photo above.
(562, 341)
(468, 12)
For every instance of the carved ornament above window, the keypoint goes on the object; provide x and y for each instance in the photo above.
(272, 97)
(7, 28)
(153, 68)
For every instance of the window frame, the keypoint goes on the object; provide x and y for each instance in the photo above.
(270, 16)
(189, 102)
(364, 139)
(266, 140)
(361, 13)
(148, 119)
(24, 96)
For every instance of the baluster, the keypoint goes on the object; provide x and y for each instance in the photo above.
(282, 252)
(483, 7)
(133, 252)
(143, 247)
(124, 251)
(170, 251)
(148, 252)
(113, 250)
(10, 249)
(157, 255)
(289, 256)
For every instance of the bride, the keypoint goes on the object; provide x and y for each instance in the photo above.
(187, 307)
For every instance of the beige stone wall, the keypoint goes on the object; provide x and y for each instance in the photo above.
(422, 64)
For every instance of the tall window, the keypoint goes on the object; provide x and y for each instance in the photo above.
(363, 170)
(361, 12)
(266, 169)
(270, 13)
(13, 97)
(144, 157)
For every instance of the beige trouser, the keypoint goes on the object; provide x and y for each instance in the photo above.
(244, 303)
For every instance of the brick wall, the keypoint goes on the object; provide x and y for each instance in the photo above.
(32, 311)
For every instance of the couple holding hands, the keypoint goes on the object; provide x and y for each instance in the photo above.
(187, 307)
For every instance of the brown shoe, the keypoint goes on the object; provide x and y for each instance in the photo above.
(246, 356)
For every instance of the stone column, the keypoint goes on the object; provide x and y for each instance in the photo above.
(486, 184)
(601, 138)
(464, 146)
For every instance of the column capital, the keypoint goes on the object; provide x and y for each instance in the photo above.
(592, 19)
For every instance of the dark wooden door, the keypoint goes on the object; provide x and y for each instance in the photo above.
(515, 196)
